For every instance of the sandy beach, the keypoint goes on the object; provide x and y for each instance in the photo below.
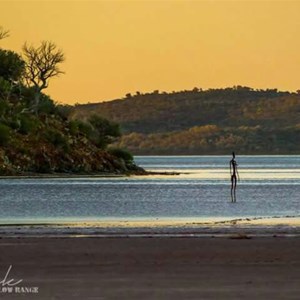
(154, 268)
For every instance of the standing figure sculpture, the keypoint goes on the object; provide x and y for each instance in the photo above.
(234, 175)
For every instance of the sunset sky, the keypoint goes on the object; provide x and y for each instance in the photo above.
(116, 47)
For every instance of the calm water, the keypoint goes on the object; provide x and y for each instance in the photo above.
(269, 186)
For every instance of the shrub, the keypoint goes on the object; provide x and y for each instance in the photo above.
(14, 123)
(3, 107)
(121, 153)
(27, 124)
(5, 88)
(4, 135)
(77, 126)
(57, 139)
(73, 127)
(47, 105)
(11, 65)
(105, 131)
(85, 128)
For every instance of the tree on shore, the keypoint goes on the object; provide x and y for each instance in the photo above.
(42, 64)
(11, 70)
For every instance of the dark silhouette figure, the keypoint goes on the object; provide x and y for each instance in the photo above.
(234, 175)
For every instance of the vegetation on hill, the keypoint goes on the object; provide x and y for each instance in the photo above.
(214, 121)
(36, 134)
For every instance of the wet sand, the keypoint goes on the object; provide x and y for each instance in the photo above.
(192, 227)
(154, 268)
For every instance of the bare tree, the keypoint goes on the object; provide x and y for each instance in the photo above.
(42, 63)
(3, 33)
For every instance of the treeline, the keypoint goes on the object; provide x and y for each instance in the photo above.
(212, 121)
(36, 134)
(211, 139)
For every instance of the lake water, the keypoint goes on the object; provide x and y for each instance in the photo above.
(269, 186)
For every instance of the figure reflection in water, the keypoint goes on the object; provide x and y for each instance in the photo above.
(234, 175)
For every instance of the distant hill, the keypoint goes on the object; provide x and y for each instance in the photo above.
(214, 121)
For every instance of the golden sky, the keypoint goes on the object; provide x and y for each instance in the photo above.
(116, 47)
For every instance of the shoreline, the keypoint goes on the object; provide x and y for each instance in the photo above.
(70, 176)
(288, 220)
(256, 227)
